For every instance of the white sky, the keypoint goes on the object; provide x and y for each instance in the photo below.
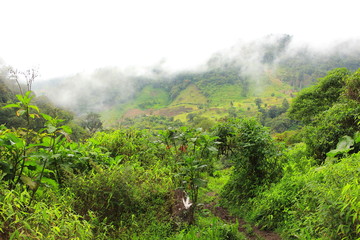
(67, 36)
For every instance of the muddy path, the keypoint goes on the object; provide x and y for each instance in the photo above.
(251, 232)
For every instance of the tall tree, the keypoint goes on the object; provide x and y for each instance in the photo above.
(320, 97)
(92, 122)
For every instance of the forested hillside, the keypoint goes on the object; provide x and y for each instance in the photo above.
(272, 69)
(237, 151)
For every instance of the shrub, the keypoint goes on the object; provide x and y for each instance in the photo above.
(124, 195)
(352, 89)
(41, 220)
(256, 161)
(211, 229)
(322, 203)
(128, 145)
(340, 120)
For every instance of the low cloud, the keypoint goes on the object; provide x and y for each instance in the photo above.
(101, 89)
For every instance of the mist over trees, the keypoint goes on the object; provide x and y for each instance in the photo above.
(246, 64)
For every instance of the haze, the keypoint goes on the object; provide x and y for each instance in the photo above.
(66, 37)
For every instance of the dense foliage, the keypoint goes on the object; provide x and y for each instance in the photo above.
(131, 183)
(255, 157)
(329, 111)
(316, 99)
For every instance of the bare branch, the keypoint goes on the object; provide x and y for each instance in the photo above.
(14, 75)
(29, 76)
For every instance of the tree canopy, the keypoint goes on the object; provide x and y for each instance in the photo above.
(320, 97)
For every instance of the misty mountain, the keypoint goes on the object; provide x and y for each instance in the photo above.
(245, 69)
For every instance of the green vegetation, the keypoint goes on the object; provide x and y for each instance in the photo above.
(289, 166)
(152, 97)
(255, 156)
(189, 96)
(318, 98)
(149, 97)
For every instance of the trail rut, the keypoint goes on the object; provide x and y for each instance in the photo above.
(254, 233)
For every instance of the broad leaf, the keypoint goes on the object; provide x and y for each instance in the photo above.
(344, 145)
(15, 140)
(212, 149)
(46, 117)
(357, 137)
(345, 142)
(51, 128)
(12, 105)
(20, 112)
(67, 129)
(29, 182)
(33, 115)
(34, 107)
(49, 182)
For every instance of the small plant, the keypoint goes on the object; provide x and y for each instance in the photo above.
(192, 153)
(344, 146)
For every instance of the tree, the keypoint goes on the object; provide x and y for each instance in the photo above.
(352, 90)
(285, 105)
(324, 133)
(258, 102)
(320, 97)
(255, 156)
(274, 111)
(330, 110)
(280, 123)
(92, 122)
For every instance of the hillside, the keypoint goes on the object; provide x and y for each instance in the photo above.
(271, 69)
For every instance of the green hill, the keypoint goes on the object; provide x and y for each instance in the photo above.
(271, 69)
(208, 95)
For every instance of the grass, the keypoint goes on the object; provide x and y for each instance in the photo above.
(214, 185)
(111, 116)
(181, 117)
(148, 97)
(151, 97)
(190, 96)
(215, 114)
(222, 97)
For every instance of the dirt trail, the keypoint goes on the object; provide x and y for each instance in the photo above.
(254, 233)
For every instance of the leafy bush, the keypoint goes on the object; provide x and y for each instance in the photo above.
(352, 90)
(331, 110)
(322, 203)
(124, 195)
(128, 145)
(323, 135)
(318, 98)
(256, 161)
(298, 160)
(41, 220)
(190, 157)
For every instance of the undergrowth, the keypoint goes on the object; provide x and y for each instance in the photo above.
(322, 203)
